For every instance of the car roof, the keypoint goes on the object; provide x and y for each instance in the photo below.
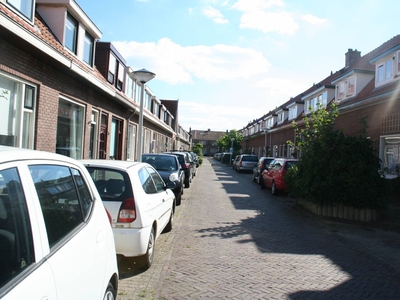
(159, 154)
(115, 164)
(8, 154)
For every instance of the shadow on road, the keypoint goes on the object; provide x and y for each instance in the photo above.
(278, 228)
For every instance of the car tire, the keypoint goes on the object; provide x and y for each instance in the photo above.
(169, 226)
(274, 191)
(259, 179)
(148, 257)
(179, 199)
(254, 178)
(110, 293)
(187, 184)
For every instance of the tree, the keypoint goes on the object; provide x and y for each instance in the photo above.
(225, 142)
(335, 168)
(198, 149)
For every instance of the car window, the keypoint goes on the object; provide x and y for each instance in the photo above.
(15, 231)
(146, 181)
(59, 200)
(249, 158)
(112, 185)
(158, 182)
(290, 164)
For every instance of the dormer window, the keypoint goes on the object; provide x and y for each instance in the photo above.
(112, 65)
(293, 112)
(384, 71)
(88, 49)
(351, 84)
(281, 117)
(340, 91)
(24, 7)
(71, 33)
(120, 79)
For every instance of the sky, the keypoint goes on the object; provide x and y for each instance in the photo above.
(229, 62)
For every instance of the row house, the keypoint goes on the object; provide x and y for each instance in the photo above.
(367, 89)
(63, 90)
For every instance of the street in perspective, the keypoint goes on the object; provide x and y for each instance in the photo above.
(233, 240)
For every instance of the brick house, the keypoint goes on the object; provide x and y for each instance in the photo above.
(64, 91)
(367, 87)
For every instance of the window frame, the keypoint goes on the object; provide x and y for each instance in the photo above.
(71, 40)
(26, 12)
(88, 49)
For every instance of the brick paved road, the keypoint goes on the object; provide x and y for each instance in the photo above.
(232, 240)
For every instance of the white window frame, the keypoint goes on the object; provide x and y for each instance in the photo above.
(22, 99)
(293, 112)
(71, 21)
(88, 49)
(25, 8)
(385, 71)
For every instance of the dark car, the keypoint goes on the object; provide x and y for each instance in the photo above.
(170, 170)
(245, 162)
(273, 176)
(262, 164)
(186, 164)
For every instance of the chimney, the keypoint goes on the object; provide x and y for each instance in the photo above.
(352, 56)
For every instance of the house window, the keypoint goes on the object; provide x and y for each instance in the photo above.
(398, 62)
(70, 128)
(340, 91)
(120, 79)
(25, 7)
(390, 155)
(280, 118)
(112, 65)
(293, 112)
(351, 82)
(130, 87)
(71, 33)
(88, 49)
(385, 71)
(17, 103)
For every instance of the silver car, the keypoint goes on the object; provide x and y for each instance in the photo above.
(246, 162)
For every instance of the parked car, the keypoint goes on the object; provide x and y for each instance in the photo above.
(56, 239)
(262, 164)
(141, 205)
(186, 165)
(245, 162)
(273, 176)
(168, 166)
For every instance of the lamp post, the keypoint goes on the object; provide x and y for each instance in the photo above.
(142, 76)
(266, 129)
(230, 159)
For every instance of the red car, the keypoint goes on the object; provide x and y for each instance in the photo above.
(272, 176)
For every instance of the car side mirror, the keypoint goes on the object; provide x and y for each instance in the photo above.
(169, 185)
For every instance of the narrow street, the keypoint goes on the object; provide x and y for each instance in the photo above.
(233, 240)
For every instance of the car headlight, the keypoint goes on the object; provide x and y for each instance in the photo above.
(173, 177)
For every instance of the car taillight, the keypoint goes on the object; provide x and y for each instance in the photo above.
(127, 211)
(187, 166)
(109, 217)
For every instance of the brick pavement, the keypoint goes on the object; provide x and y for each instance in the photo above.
(232, 240)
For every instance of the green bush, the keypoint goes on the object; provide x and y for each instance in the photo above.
(335, 168)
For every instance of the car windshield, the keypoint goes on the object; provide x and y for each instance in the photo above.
(249, 158)
(161, 163)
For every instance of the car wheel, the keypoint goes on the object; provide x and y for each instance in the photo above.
(110, 292)
(273, 189)
(259, 179)
(254, 178)
(179, 198)
(168, 228)
(148, 257)
(187, 184)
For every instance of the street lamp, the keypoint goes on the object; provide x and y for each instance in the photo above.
(230, 157)
(266, 129)
(142, 76)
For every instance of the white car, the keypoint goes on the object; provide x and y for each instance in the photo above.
(141, 205)
(56, 240)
